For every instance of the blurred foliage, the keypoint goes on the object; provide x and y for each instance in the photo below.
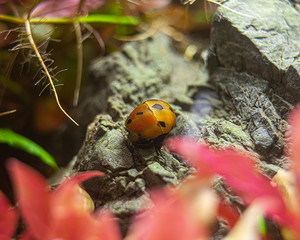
(18, 141)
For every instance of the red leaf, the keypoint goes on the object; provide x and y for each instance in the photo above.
(67, 197)
(74, 225)
(229, 212)
(238, 171)
(70, 218)
(294, 142)
(167, 219)
(65, 8)
(78, 178)
(293, 152)
(8, 218)
(31, 192)
(193, 153)
(109, 229)
(26, 235)
(53, 215)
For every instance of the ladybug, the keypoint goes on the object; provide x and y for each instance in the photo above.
(150, 122)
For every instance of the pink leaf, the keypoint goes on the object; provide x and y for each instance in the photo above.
(238, 171)
(167, 219)
(109, 228)
(53, 215)
(67, 196)
(78, 178)
(294, 142)
(65, 8)
(32, 194)
(8, 218)
(74, 225)
(151, 4)
(70, 218)
(229, 212)
(191, 152)
(26, 235)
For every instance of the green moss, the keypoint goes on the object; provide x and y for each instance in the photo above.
(156, 168)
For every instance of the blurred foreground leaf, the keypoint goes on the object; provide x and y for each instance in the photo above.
(18, 141)
(262, 226)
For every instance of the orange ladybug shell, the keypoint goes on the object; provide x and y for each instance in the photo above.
(150, 120)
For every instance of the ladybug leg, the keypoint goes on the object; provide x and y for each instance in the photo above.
(157, 146)
(157, 150)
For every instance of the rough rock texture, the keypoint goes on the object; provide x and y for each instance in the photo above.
(254, 66)
(262, 39)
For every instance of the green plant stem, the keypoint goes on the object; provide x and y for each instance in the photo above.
(93, 18)
(11, 19)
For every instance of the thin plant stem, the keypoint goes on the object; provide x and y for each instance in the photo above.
(97, 37)
(37, 53)
(79, 61)
(7, 112)
(229, 9)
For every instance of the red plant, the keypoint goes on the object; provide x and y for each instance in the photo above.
(237, 169)
(65, 8)
(59, 214)
(168, 218)
(8, 218)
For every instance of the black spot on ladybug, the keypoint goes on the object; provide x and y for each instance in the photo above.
(139, 134)
(129, 121)
(171, 109)
(162, 124)
(139, 113)
(158, 106)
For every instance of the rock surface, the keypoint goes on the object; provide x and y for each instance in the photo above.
(262, 39)
(254, 65)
